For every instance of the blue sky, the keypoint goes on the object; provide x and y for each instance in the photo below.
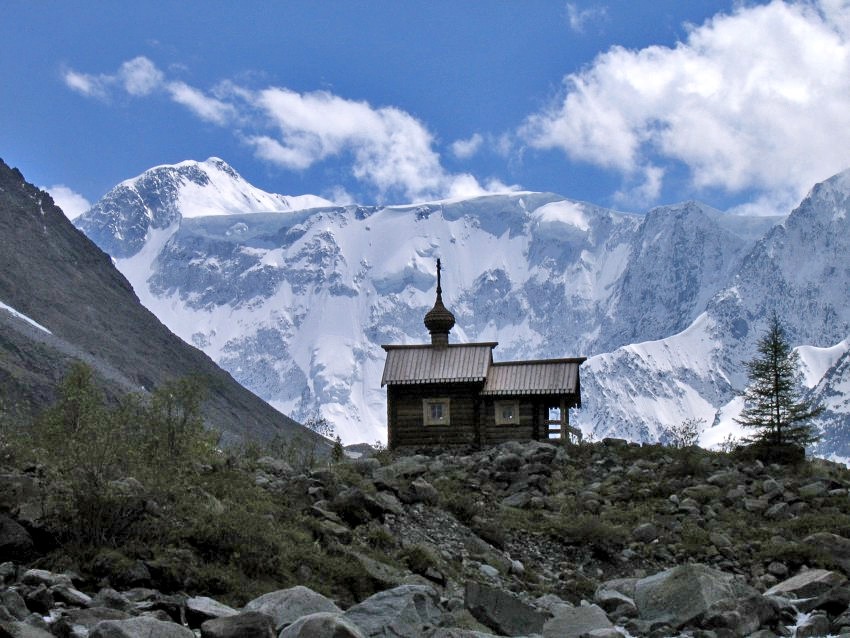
(628, 104)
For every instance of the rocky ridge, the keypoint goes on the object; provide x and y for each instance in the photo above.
(604, 539)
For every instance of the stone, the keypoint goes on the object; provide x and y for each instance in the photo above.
(80, 622)
(404, 611)
(383, 575)
(421, 491)
(503, 611)
(199, 609)
(322, 624)
(36, 577)
(742, 615)
(248, 624)
(140, 627)
(520, 500)
(108, 597)
(780, 570)
(814, 625)
(611, 600)
(807, 584)
(679, 595)
(454, 632)
(837, 547)
(15, 629)
(285, 606)
(356, 507)
(14, 603)
(70, 595)
(812, 490)
(15, 541)
(834, 602)
(576, 622)
(645, 533)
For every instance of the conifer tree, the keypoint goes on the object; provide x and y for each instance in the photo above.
(773, 404)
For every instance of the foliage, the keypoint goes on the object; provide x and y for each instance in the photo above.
(686, 433)
(320, 425)
(773, 405)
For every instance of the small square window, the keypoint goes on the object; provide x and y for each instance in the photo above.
(507, 412)
(436, 412)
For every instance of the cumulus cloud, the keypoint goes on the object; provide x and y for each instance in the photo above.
(464, 149)
(72, 203)
(387, 148)
(756, 99)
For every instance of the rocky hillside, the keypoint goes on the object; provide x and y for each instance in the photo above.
(605, 540)
(62, 299)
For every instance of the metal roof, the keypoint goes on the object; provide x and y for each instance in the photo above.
(427, 364)
(548, 376)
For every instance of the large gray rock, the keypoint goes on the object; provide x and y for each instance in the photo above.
(15, 541)
(681, 594)
(835, 546)
(249, 624)
(401, 612)
(502, 611)
(285, 606)
(322, 625)
(807, 584)
(141, 627)
(454, 632)
(200, 609)
(80, 622)
(16, 629)
(575, 622)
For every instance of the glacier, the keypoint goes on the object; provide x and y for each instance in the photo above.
(294, 295)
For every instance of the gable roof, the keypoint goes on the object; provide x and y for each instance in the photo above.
(467, 363)
(547, 376)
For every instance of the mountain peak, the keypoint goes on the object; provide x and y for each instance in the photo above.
(120, 221)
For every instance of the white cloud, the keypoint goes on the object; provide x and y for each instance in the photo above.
(72, 203)
(205, 107)
(758, 99)
(88, 85)
(388, 149)
(464, 149)
(579, 18)
(140, 76)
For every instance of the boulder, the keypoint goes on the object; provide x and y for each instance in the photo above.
(80, 622)
(835, 546)
(285, 606)
(807, 584)
(576, 622)
(645, 533)
(401, 612)
(15, 629)
(13, 602)
(679, 595)
(454, 632)
(322, 624)
(200, 609)
(15, 541)
(814, 626)
(356, 507)
(743, 615)
(503, 611)
(249, 624)
(140, 627)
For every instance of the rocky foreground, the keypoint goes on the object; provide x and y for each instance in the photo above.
(606, 539)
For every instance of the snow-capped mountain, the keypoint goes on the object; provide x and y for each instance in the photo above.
(120, 222)
(295, 303)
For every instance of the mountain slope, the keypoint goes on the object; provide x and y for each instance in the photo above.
(54, 275)
(295, 304)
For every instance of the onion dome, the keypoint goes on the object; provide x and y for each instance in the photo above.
(439, 319)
